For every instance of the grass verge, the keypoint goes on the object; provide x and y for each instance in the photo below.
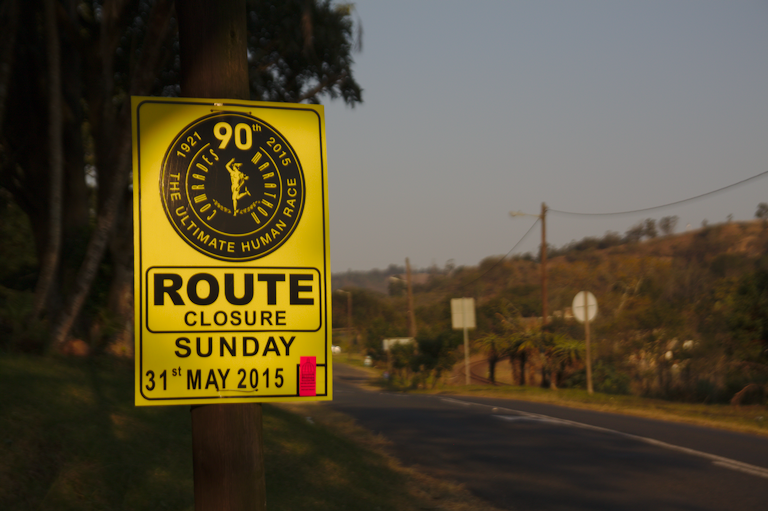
(71, 438)
(744, 419)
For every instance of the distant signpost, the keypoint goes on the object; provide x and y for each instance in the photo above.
(463, 318)
(584, 309)
(584, 306)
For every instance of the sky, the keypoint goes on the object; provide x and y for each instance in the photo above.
(477, 108)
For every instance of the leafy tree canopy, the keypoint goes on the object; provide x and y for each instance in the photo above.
(297, 50)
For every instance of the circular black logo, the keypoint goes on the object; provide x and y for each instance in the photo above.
(232, 186)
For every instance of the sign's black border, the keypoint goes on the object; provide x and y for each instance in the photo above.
(324, 294)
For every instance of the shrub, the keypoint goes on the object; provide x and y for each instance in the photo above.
(605, 378)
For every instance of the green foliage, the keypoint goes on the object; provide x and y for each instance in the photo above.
(650, 228)
(374, 317)
(706, 289)
(402, 357)
(297, 51)
(15, 333)
(397, 287)
(587, 244)
(377, 330)
(667, 224)
(567, 350)
(73, 440)
(301, 50)
(738, 317)
(525, 299)
(18, 273)
(17, 251)
(434, 318)
(437, 354)
(728, 265)
(423, 363)
(705, 391)
(606, 378)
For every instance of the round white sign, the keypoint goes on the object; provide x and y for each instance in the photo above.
(579, 309)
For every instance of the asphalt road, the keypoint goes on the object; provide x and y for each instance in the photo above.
(531, 456)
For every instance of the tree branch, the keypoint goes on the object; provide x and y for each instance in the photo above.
(327, 83)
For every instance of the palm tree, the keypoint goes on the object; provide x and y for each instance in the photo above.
(525, 343)
(519, 341)
(493, 345)
(564, 351)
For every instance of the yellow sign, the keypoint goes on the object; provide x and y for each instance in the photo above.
(232, 260)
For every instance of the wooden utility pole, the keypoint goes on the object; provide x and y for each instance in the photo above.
(467, 378)
(590, 390)
(586, 300)
(227, 445)
(349, 319)
(544, 311)
(411, 312)
(543, 266)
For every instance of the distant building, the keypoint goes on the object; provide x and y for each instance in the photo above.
(388, 343)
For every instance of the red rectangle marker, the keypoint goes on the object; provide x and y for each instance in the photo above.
(307, 376)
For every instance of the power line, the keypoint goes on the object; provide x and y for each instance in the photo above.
(609, 214)
(663, 205)
(503, 258)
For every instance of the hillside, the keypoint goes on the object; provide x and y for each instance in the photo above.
(708, 286)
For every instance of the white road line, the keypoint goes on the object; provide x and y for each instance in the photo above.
(458, 402)
(720, 461)
(517, 418)
(747, 470)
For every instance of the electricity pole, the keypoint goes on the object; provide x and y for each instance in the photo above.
(227, 445)
(349, 317)
(590, 390)
(544, 311)
(411, 312)
(543, 218)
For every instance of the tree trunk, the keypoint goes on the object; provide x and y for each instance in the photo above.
(11, 13)
(512, 368)
(76, 212)
(492, 369)
(114, 152)
(75, 219)
(93, 255)
(50, 261)
(120, 296)
(523, 359)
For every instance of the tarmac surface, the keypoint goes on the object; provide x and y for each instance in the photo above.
(529, 456)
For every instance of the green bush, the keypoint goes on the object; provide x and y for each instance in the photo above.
(605, 378)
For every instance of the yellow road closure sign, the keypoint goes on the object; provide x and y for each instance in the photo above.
(232, 260)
